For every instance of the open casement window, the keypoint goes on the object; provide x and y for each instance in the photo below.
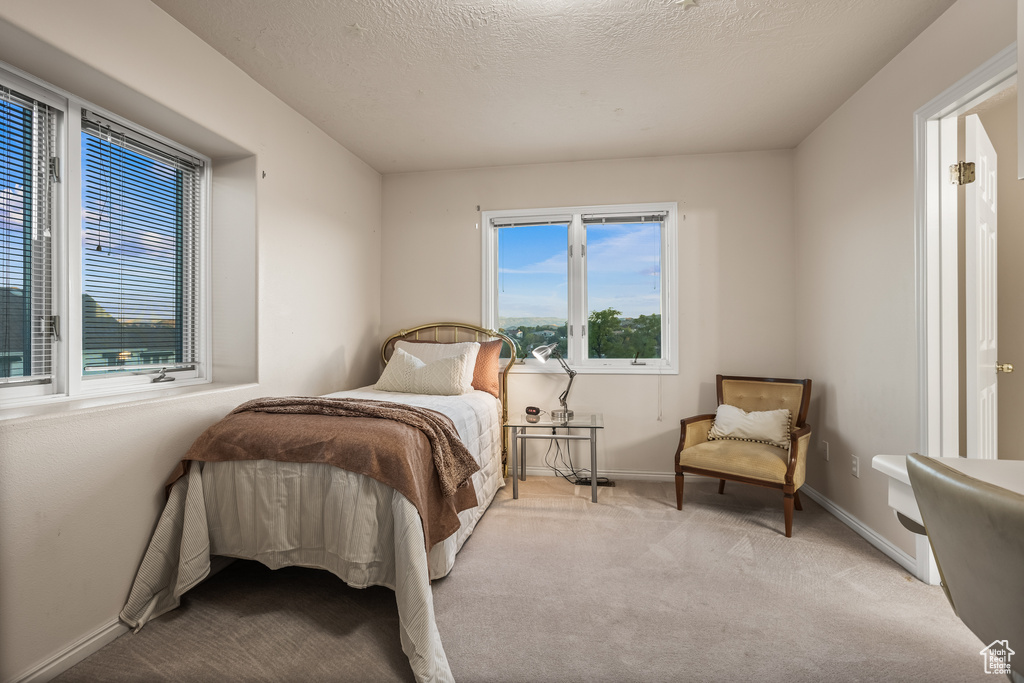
(28, 327)
(598, 281)
(532, 288)
(140, 254)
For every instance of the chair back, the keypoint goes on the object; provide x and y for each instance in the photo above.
(765, 393)
(976, 531)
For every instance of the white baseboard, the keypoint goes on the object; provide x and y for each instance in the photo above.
(74, 653)
(867, 533)
(544, 471)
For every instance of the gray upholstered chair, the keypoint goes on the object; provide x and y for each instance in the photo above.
(744, 461)
(976, 531)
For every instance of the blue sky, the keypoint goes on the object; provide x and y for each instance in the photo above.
(15, 142)
(133, 221)
(623, 269)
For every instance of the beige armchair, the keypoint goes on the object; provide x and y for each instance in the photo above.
(976, 530)
(747, 461)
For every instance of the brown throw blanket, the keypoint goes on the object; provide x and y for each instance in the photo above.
(413, 450)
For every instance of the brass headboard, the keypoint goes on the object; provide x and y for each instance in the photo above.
(450, 333)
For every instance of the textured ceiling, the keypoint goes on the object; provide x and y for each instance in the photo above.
(410, 85)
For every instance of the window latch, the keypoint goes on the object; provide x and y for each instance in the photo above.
(162, 377)
(635, 362)
(53, 323)
(55, 169)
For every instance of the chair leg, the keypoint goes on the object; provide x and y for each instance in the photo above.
(679, 490)
(787, 506)
(721, 486)
(796, 501)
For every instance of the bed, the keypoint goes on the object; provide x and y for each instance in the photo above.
(315, 514)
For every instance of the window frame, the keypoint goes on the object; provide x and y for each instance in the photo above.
(31, 392)
(577, 287)
(70, 382)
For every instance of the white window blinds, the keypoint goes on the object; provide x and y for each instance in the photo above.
(140, 246)
(27, 325)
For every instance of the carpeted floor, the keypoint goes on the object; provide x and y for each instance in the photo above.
(554, 588)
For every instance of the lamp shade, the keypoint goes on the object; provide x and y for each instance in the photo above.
(542, 353)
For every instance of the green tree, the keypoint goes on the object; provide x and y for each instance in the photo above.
(647, 336)
(600, 327)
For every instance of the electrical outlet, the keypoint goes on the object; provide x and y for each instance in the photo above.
(824, 449)
(855, 466)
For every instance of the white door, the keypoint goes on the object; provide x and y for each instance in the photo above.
(980, 286)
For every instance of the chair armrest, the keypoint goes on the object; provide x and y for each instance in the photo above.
(694, 430)
(799, 442)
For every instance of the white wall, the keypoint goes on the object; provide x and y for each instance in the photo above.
(737, 278)
(80, 491)
(855, 231)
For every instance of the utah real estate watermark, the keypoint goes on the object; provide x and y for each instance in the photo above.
(997, 657)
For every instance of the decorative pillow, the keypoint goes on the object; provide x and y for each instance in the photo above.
(769, 426)
(488, 363)
(442, 377)
(431, 351)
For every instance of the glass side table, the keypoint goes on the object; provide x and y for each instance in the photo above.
(520, 426)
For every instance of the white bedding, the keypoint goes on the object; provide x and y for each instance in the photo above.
(316, 515)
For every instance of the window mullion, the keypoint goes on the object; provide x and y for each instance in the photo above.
(62, 245)
(72, 253)
(577, 291)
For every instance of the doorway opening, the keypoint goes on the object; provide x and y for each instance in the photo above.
(950, 397)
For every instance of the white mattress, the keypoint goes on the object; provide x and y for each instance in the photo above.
(316, 515)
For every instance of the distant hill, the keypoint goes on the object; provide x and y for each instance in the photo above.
(507, 323)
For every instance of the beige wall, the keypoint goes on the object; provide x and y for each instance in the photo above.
(737, 278)
(855, 231)
(80, 491)
(1001, 125)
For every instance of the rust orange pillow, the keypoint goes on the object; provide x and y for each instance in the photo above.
(485, 375)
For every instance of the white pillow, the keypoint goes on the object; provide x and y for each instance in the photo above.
(442, 377)
(429, 352)
(768, 426)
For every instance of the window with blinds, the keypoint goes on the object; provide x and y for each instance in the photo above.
(140, 251)
(27, 323)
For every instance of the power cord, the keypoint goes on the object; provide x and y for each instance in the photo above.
(578, 477)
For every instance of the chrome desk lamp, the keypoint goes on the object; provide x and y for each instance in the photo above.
(542, 353)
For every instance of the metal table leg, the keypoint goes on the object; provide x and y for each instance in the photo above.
(522, 454)
(593, 464)
(515, 462)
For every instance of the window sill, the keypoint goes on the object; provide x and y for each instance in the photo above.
(54, 406)
(553, 368)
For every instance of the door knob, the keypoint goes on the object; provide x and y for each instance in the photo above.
(1004, 367)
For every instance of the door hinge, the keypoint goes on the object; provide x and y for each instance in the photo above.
(961, 173)
(55, 169)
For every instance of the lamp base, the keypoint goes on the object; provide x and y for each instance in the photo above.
(561, 415)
